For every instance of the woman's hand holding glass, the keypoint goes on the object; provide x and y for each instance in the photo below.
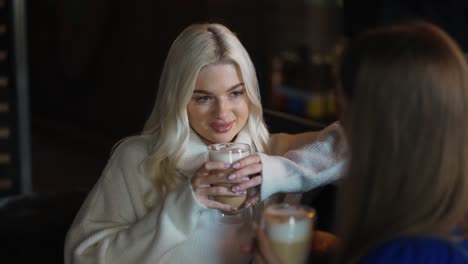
(247, 178)
(249, 167)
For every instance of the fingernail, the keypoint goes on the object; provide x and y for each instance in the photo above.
(246, 248)
(244, 192)
(245, 179)
(233, 209)
(247, 205)
(236, 165)
(235, 188)
(231, 177)
(227, 165)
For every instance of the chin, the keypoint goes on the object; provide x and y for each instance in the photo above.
(225, 139)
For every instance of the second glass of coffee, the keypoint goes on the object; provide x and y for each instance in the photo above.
(289, 228)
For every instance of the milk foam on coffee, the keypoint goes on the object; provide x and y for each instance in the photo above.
(221, 152)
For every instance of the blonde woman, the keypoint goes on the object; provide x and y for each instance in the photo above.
(404, 95)
(153, 202)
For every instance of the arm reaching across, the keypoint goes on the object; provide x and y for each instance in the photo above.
(315, 164)
(314, 159)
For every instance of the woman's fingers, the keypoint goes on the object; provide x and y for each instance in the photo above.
(252, 200)
(246, 166)
(251, 159)
(214, 165)
(212, 172)
(219, 206)
(220, 191)
(247, 248)
(218, 179)
(207, 168)
(214, 179)
(251, 169)
(254, 181)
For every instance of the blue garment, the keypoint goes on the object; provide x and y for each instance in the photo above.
(419, 250)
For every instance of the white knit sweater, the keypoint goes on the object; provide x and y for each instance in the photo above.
(114, 226)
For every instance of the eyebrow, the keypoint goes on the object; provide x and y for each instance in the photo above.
(230, 89)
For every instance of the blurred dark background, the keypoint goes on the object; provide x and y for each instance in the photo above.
(94, 68)
(92, 72)
(94, 65)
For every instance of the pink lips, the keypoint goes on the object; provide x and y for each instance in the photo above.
(221, 127)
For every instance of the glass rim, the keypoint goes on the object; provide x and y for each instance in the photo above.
(309, 212)
(225, 146)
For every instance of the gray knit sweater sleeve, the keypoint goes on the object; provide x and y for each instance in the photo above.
(315, 164)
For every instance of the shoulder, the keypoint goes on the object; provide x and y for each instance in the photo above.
(418, 250)
(130, 152)
(132, 146)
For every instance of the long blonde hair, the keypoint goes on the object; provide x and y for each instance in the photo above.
(198, 46)
(408, 173)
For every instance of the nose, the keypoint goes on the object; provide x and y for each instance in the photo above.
(222, 109)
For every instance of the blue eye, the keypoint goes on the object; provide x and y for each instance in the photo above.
(236, 94)
(202, 99)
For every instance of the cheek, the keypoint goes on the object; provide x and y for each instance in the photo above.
(242, 111)
(190, 112)
(197, 115)
(193, 115)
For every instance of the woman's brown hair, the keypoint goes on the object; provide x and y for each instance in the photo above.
(407, 88)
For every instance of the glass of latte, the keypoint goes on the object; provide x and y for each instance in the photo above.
(230, 153)
(289, 229)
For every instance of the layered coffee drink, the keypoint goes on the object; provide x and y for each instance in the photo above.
(229, 153)
(289, 228)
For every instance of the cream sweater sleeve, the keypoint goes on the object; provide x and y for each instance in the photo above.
(113, 225)
(319, 162)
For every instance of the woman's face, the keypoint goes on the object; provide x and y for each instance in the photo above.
(219, 107)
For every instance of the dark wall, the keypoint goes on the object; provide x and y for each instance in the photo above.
(450, 15)
(97, 62)
(94, 66)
